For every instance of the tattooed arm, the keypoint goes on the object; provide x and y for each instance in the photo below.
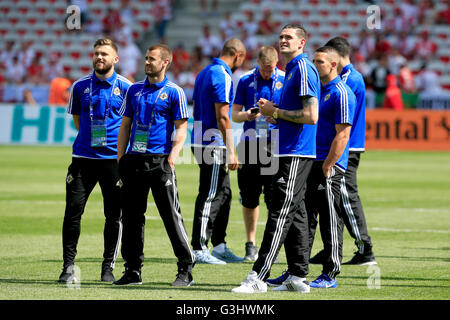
(309, 114)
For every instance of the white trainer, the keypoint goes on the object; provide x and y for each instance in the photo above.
(293, 283)
(251, 285)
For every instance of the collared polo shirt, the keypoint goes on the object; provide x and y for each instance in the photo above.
(246, 95)
(301, 79)
(157, 105)
(212, 85)
(337, 106)
(106, 94)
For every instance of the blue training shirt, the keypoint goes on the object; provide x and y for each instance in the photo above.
(337, 106)
(103, 97)
(212, 85)
(354, 79)
(246, 95)
(157, 105)
(301, 79)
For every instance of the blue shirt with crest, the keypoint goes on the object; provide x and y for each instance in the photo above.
(106, 94)
(157, 105)
(337, 106)
(301, 80)
(246, 95)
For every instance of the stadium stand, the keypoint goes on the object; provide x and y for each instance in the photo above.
(42, 22)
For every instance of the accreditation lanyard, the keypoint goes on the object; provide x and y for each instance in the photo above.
(98, 126)
(261, 125)
(142, 130)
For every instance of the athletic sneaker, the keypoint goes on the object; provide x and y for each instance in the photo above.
(251, 285)
(130, 277)
(203, 256)
(107, 274)
(293, 283)
(184, 279)
(278, 281)
(251, 251)
(318, 258)
(362, 260)
(226, 256)
(323, 281)
(68, 275)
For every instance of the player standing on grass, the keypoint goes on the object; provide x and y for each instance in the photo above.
(213, 148)
(296, 116)
(95, 102)
(155, 109)
(254, 151)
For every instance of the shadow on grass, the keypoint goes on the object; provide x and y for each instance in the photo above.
(118, 261)
(387, 278)
(416, 258)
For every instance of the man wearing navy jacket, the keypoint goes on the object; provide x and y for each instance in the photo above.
(95, 102)
(151, 136)
(354, 217)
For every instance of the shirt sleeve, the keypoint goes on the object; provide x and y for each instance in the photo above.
(240, 93)
(179, 104)
(345, 103)
(127, 109)
(222, 86)
(74, 104)
(309, 80)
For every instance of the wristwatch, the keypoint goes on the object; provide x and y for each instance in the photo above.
(275, 114)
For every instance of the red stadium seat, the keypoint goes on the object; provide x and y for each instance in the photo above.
(75, 55)
(85, 69)
(444, 59)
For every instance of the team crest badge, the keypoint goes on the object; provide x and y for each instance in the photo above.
(164, 96)
(278, 85)
(116, 91)
(327, 97)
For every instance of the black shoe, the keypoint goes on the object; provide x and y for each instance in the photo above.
(130, 277)
(107, 275)
(184, 279)
(251, 252)
(362, 260)
(318, 258)
(68, 275)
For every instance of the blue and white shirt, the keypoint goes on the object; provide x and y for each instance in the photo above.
(247, 96)
(301, 79)
(157, 105)
(212, 85)
(337, 106)
(355, 81)
(106, 94)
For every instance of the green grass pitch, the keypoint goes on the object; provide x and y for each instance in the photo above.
(406, 197)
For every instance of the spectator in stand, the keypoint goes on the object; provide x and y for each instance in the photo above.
(397, 23)
(162, 12)
(426, 12)
(443, 16)
(208, 42)
(186, 80)
(405, 44)
(26, 53)
(377, 79)
(250, 25)
(393, 96)
(130, 57)
(204, 6)
(406, 79)
(7, 55)
(111, 22)
(251, 44)
(227, 27)
(365, 42)
(126, 13)
(53, 68)
(425, 48)
(410, 12)
(35, 71)
(267, 26)
(15, 72)
(59, 92)
(382, 47)
(395, 61)
(181, 57)
(427, 81)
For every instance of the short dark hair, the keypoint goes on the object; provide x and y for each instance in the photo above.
(341, 45)
(106, 42)
(299, 29)
(164, 50)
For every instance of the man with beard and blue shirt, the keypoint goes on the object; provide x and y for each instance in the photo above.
(151, 137)
(256, 164)
(296, 116)
(213, 148)
(95, 102)
(323, 194)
